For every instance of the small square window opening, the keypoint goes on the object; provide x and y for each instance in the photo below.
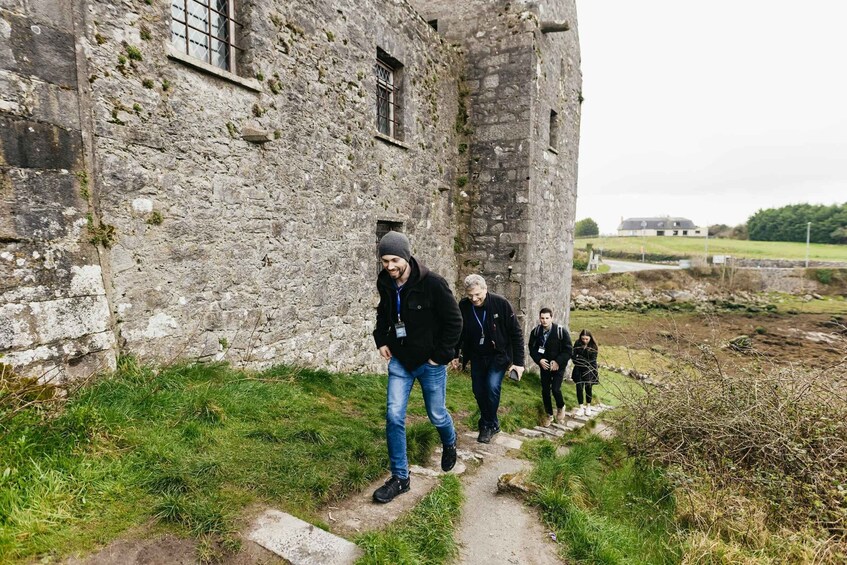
(554, 130)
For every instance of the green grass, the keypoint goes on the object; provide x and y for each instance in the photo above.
(602, 319)
(789, 303)
(186, 449)
(693, 247)
(189, 447)
(424, 536)
(605, 507)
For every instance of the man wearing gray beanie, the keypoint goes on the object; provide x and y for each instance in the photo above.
(418, 325)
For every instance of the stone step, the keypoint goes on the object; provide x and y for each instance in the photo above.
(301, 543)
(550, 431)
(503, 439)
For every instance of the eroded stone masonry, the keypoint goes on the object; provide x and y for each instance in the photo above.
(208, 180)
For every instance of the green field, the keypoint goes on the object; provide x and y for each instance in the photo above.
(693, 247)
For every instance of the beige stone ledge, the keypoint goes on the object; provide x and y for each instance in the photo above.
(248, 83)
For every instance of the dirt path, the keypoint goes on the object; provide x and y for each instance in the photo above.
(499, 528)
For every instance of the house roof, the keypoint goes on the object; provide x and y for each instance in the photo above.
(664, 223)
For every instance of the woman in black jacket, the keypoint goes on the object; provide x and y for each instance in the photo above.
(585, 373)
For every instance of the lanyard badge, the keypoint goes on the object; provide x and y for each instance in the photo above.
(544, 335)
(481, 324)
(399, 327)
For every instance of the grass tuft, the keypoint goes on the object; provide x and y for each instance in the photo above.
(424, 536)
(606, 508)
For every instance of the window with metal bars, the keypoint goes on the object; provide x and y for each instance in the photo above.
(205, 30)
(388, 95)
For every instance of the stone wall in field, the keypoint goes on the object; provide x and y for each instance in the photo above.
(703, 288)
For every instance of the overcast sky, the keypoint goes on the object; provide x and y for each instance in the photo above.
(711, 110)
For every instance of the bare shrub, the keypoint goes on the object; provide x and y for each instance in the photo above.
(773, 434)
(19, 393)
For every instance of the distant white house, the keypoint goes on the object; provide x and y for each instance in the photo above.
(667, 226)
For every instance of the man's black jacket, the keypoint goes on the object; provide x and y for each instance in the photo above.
(429, 311)
(555, 349)
(501, 326)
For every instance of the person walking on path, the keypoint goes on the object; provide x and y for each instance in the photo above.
(585, 373)
(550, 348)
(492, 341)
(418, 325)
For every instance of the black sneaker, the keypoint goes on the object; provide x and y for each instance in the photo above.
(448, 457)
(484, 435)
(391, 488)
(494, 431)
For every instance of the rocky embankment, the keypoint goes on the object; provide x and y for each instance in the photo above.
(701, 289)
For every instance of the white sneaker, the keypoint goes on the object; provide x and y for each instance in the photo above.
(590, 411)
(580, 411)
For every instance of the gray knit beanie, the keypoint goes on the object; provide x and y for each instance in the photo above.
(395, 243)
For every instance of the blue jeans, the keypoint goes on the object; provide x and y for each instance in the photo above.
(487, 379)
(433, 379)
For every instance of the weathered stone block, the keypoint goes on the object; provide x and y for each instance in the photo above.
(31, 144)
(37, 49)
(40, 205)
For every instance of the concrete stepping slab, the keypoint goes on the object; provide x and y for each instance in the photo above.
(502, 439)
(534, 434)
(507, 441)
(437, 472)
(301, 543)
(468, 456)
(550, 431)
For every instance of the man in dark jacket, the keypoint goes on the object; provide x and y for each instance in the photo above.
(550, 347)
(418, 325)
(492, 341)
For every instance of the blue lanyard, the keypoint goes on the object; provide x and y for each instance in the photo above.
(481, 327)
(544, 336)
(397, 289)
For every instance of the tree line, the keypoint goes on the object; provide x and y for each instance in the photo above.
(788, 223)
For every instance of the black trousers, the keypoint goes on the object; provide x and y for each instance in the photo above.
(552, 382)
(579, 389)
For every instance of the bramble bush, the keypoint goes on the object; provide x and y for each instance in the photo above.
(754, 450)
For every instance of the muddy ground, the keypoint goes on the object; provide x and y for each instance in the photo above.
(813, 340)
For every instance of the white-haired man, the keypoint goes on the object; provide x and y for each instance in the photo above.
(492, 341)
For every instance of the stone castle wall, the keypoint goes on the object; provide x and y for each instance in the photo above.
(54, 314)
(521, 193)
(216, 246)
(553, 165)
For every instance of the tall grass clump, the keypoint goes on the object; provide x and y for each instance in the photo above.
(758, 455)
(424, 536)
(185, 447)
(604, 507)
